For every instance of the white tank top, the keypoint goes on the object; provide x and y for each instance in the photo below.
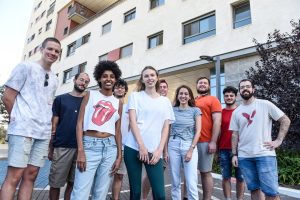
(101, 113)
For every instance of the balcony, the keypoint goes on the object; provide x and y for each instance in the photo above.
(79, 13)
(96, 5)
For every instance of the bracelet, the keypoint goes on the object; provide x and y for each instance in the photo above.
(193, 146)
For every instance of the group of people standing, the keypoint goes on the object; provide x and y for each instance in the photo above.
(93, 137)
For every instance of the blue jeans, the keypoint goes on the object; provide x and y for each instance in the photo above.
(100, 155)
(226, 165)
(260, 173)
(177, 149)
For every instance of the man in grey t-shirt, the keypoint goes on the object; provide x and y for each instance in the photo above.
(28, 97)
(252, 147)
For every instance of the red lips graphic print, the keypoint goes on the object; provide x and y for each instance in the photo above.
(104, 110)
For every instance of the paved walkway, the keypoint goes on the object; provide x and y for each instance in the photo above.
(41, 190)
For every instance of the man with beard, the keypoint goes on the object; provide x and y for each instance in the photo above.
(211, 110)
(224, 145)
(252, 147)
(62, 147)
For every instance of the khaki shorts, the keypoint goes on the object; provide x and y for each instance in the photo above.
(205, 159)
(62, 167)
(122, 169)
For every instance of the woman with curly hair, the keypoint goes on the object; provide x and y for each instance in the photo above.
(149, 117)
(98, 136)
(184, 136)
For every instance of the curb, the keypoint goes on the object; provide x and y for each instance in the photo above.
(282, 190)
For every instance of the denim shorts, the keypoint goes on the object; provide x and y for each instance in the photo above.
(226, 165)
(25, 150)
(260, 173)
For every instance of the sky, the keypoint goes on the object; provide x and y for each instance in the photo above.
(14, 20)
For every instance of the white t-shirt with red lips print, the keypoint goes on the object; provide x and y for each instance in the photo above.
(254, 124)
(101, 113)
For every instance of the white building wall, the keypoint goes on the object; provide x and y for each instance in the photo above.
(266, 15)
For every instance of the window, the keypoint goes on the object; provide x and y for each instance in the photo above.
(103, 57)
(199, 28)
(66, 30)
(36, 49)
(43, 13)
(40, 30)
(241, 15)
(156, 3)
(70, 73)
(126, 51)
(71, 49)
(48, 25)
(106, 28)
(69, 8)
(51, 9)
(213, 86)
(155, 40)
(30, 38)
(130, 15)
(86, 38)
(29, 54)
(39, 5)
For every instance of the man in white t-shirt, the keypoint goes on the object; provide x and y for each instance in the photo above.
(252, 147)
(120, 89)
(28, 98)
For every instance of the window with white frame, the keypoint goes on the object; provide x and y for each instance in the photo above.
(103, 57)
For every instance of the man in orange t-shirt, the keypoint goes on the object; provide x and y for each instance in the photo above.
(211, 123)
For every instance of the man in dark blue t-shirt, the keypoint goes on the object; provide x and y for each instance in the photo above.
(63, 144)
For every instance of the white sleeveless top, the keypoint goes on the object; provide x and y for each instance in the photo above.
(101, 113)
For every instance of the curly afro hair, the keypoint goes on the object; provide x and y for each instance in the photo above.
(106, 65)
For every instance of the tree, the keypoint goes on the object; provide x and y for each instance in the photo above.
(3, 111)
(277, 77)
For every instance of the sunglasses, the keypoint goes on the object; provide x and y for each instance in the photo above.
(46, 80)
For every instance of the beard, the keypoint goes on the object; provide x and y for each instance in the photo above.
(230, 103)
(247, 96)
(78, 89)
(202, 91)
(118, 96)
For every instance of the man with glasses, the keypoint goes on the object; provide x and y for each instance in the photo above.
(120, 89)
(253, 149)
(28, 98)
(63, 144)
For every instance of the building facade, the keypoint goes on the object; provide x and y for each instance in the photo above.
(169, 35)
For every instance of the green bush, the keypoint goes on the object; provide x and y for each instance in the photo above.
(2, 134)
(288, 167)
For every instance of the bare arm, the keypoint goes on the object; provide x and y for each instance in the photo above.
(164, 136)
(234, 145)
(189, 154)
(81, 161)
(8, 98)
(216, 117)
(55, 120)
(137, 135)
(118, 137)
(283, 129)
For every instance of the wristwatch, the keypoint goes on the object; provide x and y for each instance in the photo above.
(193, 146)
(233, 154)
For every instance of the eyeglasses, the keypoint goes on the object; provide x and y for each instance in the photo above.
(46, 80)
(245, 86)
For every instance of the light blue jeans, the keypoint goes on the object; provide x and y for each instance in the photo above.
(100, 155)
(177, 149)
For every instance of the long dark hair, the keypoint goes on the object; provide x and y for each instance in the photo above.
(191, 102)
(141, 86)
